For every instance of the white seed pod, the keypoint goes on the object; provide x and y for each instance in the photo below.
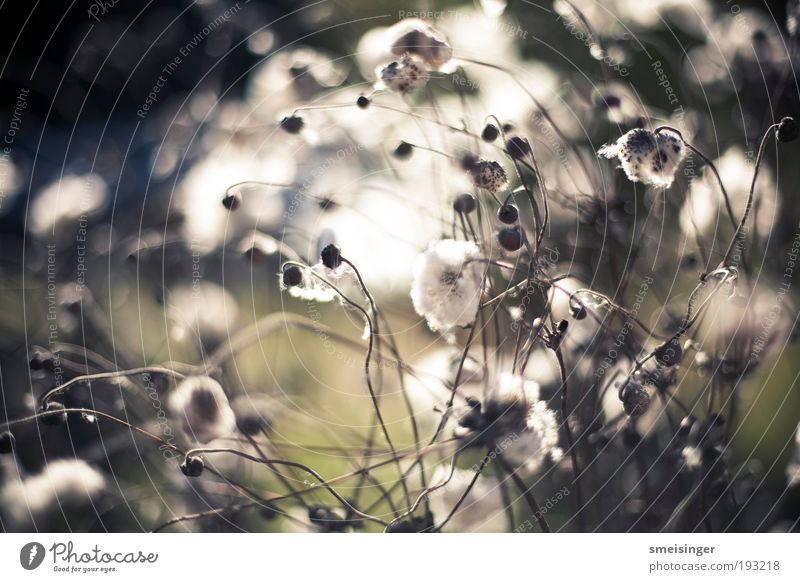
(647, 157)
(447, 285)
(415, 37)
(203, 408)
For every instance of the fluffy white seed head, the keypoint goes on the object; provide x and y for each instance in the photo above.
(535, 435)
(447, 284)
(647, 157)
(489, 175)
(203, 408)
(415, 37)
(70, 482)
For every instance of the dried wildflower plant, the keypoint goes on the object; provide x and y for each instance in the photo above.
(417, 304)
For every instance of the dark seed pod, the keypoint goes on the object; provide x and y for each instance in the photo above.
(52, 418)
(630, 437)
(6, 443)
(787, 130)
(42, 359)
(561, 327)
(268, 512)
(490, 133)
(292, 124)
(464, 203)
(414, 525)
(685, 426)
(635, 399)
(232, 201)
(510, 238)
(192, 466)
(469, 162)
(577, 311)
(292, 276)
(363, 101)
(251, 418)
(518, 148)
(669, 353)
(508, 214)
(403, 150)
(331, 256)
(611, 101)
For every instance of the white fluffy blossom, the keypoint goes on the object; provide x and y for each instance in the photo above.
(448, 279)
(513, 423)
(61, 482)
(692, 456)
(203, 408)
(537, 436)
(415, 37)
(647, 157)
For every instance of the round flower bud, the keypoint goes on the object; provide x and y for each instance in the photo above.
(787, 130)
(490, 133)
(331, 256)
(6, 443)
(669, 353)
(292, 275)
(292, 124)
(635, 399)
(510, 238)
(192, 466)
(363, 101)
(464, 203)
(232, 201)
(403, 150)
(508, 214)
(518, 148)
(53, 418)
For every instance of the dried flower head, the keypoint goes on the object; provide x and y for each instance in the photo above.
(646, 156)
(404, 75)
(201, 404)
(489, 175)
(514, 421)
(447, 285)
(635, 399)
